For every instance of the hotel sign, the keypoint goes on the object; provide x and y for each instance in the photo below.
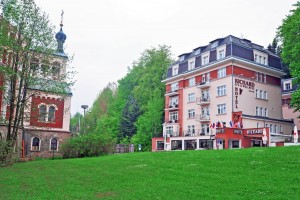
(221, 130)
(240, 85)
(254, 131)
(237, 131)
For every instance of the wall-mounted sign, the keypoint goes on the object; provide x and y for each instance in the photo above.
(240, 85)
(237, 131)
(254, 131)
(221, 130)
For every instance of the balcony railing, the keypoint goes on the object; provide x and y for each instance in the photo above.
(199, 132)
(203, 85)
(172, 134)
(202, 118)
(203, 100)
(172, 121)
(172, 92)
(172, 107)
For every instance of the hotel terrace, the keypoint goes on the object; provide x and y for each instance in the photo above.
(224, 95)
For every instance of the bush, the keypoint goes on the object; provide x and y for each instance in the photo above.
(7, 155)
(88, 145)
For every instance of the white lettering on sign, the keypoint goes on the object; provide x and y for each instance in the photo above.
(237, 131)
(255, 131)
(220, 131)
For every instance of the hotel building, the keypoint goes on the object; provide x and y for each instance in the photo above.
(226, 94)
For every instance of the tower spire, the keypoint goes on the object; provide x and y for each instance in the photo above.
(61, 36)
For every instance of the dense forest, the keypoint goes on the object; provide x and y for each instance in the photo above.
(132, 110)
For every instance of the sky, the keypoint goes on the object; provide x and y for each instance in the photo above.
(107, 36)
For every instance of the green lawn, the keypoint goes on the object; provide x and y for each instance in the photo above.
(257, 173)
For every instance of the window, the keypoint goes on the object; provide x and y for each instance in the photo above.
(35, 145)
(221, 90)
(261, 111)
(205, 111)
(275, 128)
(204, 129)
(222, 108)
(174, 87)
(173, 116)
(191, 97)
(260, 77)
(271, 128)
(214, 44)
(287, 86)
(222, 72)
(191, 113)
(197, 52)
(266, 112)
(265, 95)
(205, 58)
(191, 129)
(257, 111)
(205, 95)
(181, 58)
(191, 64)
(260, 57)
(221, 54)
(192, 81)
(173, 101)
(175, 70)
(169, 130)
(53, 144)
(256, 93)
(51, 114)
(42, 113)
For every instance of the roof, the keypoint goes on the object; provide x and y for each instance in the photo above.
(51, 86)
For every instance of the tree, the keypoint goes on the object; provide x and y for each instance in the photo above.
(25, 35)
(289, 35)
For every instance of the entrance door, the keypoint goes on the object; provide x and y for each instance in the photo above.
(220, 144)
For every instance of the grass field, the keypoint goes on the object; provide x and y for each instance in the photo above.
(257, 173)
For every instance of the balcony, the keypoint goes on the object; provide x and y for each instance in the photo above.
(203, 100)
(192, 133)
(203, 85)
(172, 121)
(172, 92)
(172, 107)
(202, 118)
(172, 134)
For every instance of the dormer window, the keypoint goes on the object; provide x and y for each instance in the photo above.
(175, 70)
(197, 52)
(221, 52)
(191, 64)
(260, 57)
(205, 58)
(181, 58)
(214, 44)
(287, 86)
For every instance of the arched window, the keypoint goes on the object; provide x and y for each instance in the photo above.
(51, 114)
(53, 144)
(35, 146)
(55, 70)
(45, 68)
(42, 113)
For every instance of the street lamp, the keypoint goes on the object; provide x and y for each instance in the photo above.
(84, 107)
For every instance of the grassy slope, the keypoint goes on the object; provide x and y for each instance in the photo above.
(258, 173)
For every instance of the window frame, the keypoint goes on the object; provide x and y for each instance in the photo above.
(32, 143)
(191, 114)
(221, 90)
(57, 141)
(222, 72)
(191, 97)
(221, 108)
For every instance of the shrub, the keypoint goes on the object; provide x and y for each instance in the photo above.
(88, 145)
(7, 154)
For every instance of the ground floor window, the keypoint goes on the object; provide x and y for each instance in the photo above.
(235, 144)
(256, 143)
(35, 145)
(176, 144)
(160, 145)
(206, 144)
(190, 144)
(53, 144)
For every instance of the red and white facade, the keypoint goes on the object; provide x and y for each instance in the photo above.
(223, 95)
(47, 120)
